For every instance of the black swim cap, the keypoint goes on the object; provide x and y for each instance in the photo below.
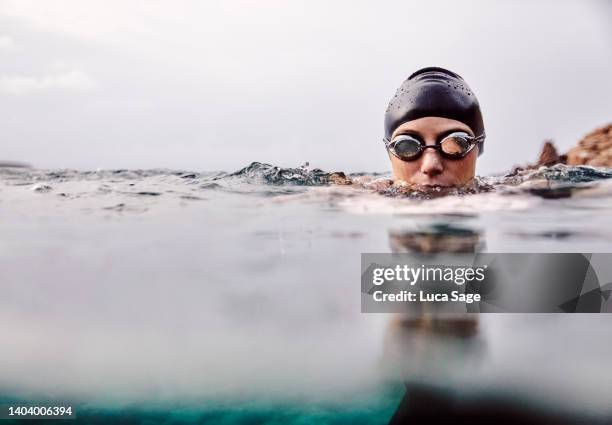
(434, 92)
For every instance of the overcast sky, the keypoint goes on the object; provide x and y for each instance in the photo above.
(215, 85)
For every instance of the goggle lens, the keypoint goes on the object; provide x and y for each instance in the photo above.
(455, 145)
(407, 148)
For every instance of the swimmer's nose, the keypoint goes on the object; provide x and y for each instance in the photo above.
(431, 164)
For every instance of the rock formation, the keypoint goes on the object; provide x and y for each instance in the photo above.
(594, 149)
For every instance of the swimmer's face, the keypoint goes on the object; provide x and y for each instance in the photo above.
(431, 169)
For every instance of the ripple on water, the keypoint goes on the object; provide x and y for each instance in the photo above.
(518, 190)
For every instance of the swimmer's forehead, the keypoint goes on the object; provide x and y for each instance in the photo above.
(431, 127)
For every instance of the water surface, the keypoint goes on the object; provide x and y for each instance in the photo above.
(177, 296)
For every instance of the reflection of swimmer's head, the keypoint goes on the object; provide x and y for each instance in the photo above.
(434, 130)
(437, 239)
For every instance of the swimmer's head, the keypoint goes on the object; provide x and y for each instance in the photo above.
(434, 107)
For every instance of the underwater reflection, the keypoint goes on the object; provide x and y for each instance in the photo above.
(428, 347)
(444, 361)
(436, 238)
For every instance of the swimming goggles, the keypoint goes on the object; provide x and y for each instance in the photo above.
(456, 145)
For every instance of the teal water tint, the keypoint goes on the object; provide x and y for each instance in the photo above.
(376, 408)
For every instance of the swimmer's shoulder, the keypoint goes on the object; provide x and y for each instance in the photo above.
(366, 182)
(381, 183)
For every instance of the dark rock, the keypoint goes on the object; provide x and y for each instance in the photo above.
(549, 155)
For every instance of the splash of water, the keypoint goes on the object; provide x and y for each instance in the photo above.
(270, 180)
(258, 172)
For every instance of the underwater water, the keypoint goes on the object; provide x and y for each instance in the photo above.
(161, 296)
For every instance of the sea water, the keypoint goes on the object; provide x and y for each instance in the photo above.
(162, 296)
